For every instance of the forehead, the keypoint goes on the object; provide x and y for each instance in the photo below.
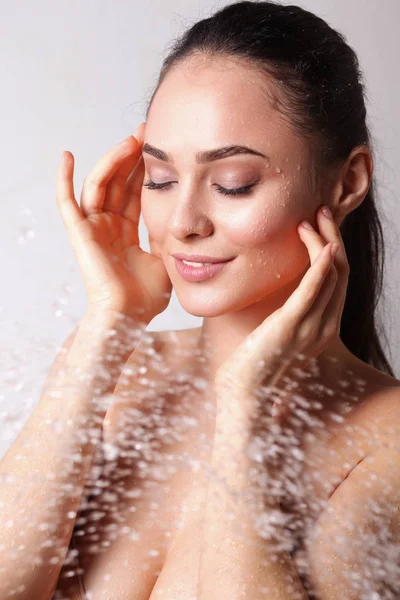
(224, 99)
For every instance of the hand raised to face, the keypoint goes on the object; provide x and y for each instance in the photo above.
(309, 319)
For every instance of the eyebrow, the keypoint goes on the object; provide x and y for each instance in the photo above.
(206, 155)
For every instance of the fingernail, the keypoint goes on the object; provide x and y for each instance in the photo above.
(307, 225)
(327, 212)
(334, 249)
(137, 131)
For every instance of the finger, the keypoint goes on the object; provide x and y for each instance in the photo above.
(131, 203)
(116, 186)
(334, 310)
(331, 232)
(302, 299)
(65, 197)
(319, 309)
(95, 185)
(139, 133)
(312, 239)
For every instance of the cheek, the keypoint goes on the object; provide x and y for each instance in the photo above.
(269, 242)
(255, 227)
(154, 220)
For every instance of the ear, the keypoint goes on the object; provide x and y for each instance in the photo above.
(353, 183)
(154, 247)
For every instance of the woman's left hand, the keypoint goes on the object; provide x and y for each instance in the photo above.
(302, 327)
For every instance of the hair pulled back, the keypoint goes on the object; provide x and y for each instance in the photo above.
(320, 90)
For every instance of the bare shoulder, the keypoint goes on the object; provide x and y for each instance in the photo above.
(383, 407)
(379, 409)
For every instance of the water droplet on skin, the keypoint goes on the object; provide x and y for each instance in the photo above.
(278, 275)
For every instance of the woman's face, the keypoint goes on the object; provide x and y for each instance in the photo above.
(204, 108)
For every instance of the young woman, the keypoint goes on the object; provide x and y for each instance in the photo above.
(254, 456)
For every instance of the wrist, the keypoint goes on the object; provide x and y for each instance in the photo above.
(105, 324)
(104, 337)
(234, 418)
(93, 311)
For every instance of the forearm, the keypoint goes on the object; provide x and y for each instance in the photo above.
(44, 471)
(236, 561)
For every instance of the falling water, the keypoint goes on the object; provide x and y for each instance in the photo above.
(159, 437)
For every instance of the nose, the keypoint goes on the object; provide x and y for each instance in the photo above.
(190, 216)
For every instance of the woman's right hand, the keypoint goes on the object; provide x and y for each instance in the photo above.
(104, 232)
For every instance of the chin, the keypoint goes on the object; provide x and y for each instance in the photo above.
(206, 304)
(205, 314)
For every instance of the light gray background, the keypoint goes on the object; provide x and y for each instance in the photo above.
(76, 76)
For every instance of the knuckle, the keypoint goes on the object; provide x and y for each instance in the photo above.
(329, 330)
(306, 332)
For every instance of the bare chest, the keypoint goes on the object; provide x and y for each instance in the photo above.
(315, 459)
(143, 536)
(162, 526)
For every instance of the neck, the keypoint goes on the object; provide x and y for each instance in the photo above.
(219, 336)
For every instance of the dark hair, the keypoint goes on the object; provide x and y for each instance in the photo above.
(320, 90)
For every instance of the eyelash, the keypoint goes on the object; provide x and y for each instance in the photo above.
(151, 185)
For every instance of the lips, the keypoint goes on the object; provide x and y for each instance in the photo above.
(199, 273)
(200, 258)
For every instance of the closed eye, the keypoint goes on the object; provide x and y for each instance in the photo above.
(151, 185)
